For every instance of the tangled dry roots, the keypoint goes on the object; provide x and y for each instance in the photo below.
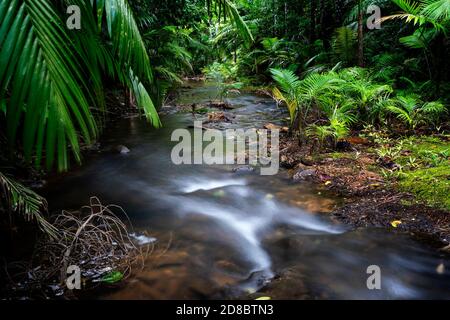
(93, 238)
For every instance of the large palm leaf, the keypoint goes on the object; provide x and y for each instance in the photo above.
(345, 44)
(15, 197)
(51, 77)
(40, 76)
(438, 10)
(232, 12)
(433, 12)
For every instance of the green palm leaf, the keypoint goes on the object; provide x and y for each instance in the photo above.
(15, 197)
(51, 78)
(345, 44)
(43, 81)
(287, 81)
(241, 26)
(128, 45)
(402, 114)
(438, 10)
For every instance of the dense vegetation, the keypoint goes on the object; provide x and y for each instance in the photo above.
(334, 74)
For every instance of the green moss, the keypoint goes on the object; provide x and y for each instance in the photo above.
(339, 155)
(421, 147)
(424, 169)
(430, 185)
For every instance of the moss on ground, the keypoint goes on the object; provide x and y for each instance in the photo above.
(425, 169)
(428, 185)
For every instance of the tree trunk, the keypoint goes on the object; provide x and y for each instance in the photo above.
(312, 22)
(360, 36)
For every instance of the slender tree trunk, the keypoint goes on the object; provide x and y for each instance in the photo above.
(323, 25)
(275, 22)
(285, 19)
(312, 22)
(360, 35)
(440, 63)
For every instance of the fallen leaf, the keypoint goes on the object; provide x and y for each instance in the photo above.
(327, 182)
(396, 223)
(264, 298)
(271, 126)
(440, 269)
(113, 277)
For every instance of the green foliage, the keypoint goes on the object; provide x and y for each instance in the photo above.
(17, 199)
(243, 29)
(429, 185)
(322, 133)
(220, 72)
(344, 44)
(274, 53)
(350, 97)
(226, 89)
(112, 277)
(50, 77)
(423, 164)
(412, 112)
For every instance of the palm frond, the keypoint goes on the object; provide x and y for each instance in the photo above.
(286, 80)
(438, 10)
(128, 45)
(51, 78)
(315, 84)
(43, 78)
(144, 100)
(400, 113)
(291, 103)
(241, 26)
(434, 107)
(344, 44)
(18, 199)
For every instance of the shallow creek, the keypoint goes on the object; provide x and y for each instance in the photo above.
(225, 234)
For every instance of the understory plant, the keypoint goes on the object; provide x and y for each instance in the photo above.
(412, 112)
(348, 98)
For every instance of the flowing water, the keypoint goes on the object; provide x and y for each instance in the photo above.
(222, 234)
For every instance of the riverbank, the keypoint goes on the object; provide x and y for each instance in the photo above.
(380, 182)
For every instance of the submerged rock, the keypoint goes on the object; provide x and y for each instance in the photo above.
(302, 175)
(243, 169)
(122, 149)
(220, 105)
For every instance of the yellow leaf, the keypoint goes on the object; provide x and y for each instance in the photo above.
(327, 183)
(395, 223)
(263, 298)
(440, 269)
